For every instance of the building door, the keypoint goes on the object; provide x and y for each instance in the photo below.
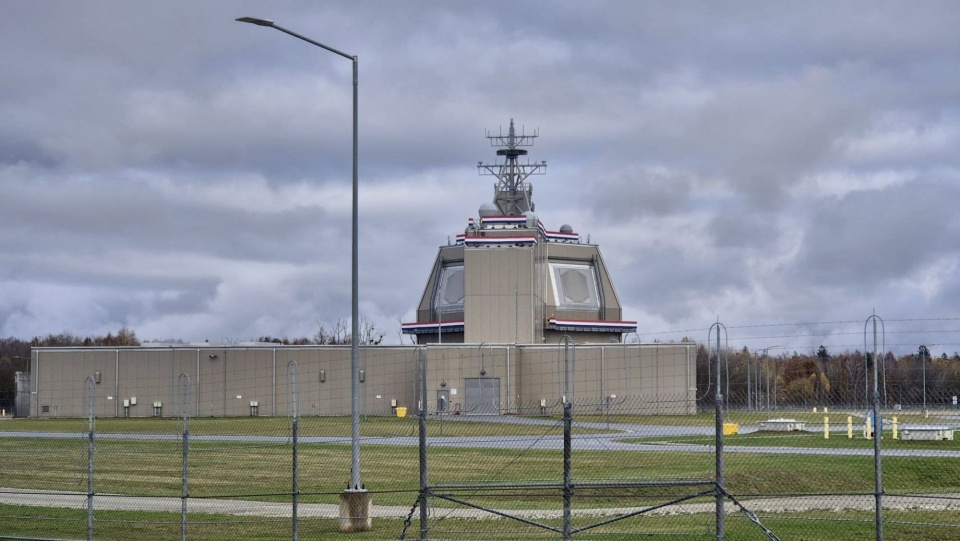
(443, 401)
(481, 396)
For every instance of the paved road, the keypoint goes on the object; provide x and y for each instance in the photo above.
(76, 500)
(580, 442)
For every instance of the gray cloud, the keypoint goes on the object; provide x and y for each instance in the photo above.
(164, 167)
(880, 235)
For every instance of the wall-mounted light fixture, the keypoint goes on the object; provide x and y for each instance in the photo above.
(363, 375)
(213, 355)
(443, 383)
(323, 376)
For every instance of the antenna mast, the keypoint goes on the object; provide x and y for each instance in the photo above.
(511, 194)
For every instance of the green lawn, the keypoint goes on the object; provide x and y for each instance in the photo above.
(380, 426)
(262, 472)
(257, 471)
(33, 522)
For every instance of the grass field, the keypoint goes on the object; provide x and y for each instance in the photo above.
(280, 426)
(259, 471)
(31, 522)
(262, 472)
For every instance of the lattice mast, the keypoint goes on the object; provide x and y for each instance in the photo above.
(512, 194)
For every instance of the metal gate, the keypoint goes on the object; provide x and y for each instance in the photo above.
(481, 396)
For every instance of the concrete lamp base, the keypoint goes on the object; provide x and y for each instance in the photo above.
(356, 511)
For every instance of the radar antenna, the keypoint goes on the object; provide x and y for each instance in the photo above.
(511, 194)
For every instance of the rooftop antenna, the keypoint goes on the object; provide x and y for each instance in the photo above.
(511, 194)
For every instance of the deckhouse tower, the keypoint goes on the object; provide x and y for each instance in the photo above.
(508, 279)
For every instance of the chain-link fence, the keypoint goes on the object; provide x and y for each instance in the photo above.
(566, 441)
(275, 470)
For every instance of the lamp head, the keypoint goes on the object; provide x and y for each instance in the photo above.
(256, 21)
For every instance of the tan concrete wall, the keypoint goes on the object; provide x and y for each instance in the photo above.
(224, 380)
(646, 379)
(448, 368)
(498, 286)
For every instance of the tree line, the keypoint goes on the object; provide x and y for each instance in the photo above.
(760, 381)
(15, 355)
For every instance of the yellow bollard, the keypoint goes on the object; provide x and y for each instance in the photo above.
(826, 427)
(814, 409)
(894, 427)
(825, 410)
(868, 428)
(849, 427)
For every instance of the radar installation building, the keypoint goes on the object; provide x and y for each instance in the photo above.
(515, 318)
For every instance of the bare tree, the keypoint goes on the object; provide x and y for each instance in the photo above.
(339, 334)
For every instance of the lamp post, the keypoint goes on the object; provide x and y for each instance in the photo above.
(766, 362)
(355, 482)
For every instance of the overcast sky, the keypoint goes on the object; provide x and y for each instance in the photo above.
(780, 166)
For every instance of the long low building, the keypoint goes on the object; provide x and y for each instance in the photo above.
(210, 381)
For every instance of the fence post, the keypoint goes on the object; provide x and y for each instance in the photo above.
(877, 428)
(292, 367)
(184, 383)
(296, 477)
(422, 424)
(719, 398)
(91, 390)
(567, 490)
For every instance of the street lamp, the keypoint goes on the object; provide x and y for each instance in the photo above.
(355, 482)
(766, 352)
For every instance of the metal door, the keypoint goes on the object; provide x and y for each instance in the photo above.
(481, 396)
(443, 401)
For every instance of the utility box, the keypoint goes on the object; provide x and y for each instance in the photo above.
(927, 433)
(21, 404)
(729, 429)
(783, 425)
